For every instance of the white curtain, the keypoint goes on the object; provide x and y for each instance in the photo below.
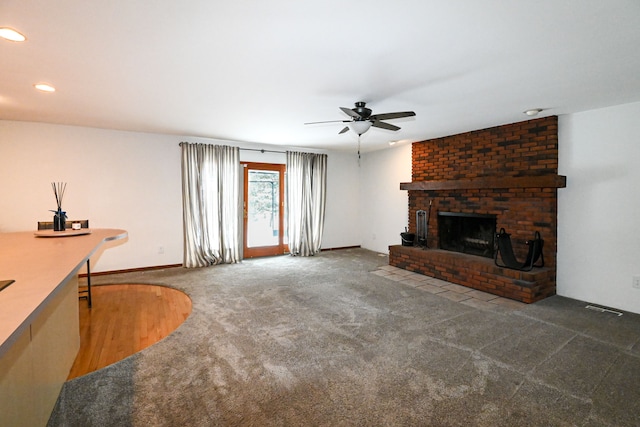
(306, 186)
(211, 204)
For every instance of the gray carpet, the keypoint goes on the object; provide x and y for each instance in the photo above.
(322, 341)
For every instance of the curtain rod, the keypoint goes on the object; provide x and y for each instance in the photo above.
(263, 150)
(254, 149)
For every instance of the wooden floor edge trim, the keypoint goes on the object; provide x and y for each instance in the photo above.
(340, 248)
(132, 270)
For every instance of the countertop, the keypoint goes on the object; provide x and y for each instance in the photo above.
(40, 266)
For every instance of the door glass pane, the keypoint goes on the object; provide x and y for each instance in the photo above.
(263, 218)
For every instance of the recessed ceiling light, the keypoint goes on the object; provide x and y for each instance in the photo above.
(533, 111)
(399, 142)
(44, 87)
(11, 34)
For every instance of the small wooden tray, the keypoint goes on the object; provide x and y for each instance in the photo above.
(66, 233)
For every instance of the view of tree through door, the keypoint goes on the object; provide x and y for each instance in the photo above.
(263, 209)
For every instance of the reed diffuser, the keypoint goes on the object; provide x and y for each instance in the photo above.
(60, 216)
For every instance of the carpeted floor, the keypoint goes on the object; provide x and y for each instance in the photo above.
(323, 341)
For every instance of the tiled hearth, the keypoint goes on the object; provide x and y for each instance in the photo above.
(508, 171)
(451, 291)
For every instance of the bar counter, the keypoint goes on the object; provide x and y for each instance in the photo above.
(39, 332)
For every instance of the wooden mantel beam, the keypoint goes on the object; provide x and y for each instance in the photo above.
(541, 181)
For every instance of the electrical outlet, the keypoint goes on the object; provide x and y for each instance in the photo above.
(160, 250)
(636, 282)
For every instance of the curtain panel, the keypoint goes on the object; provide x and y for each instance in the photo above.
(306, 194)
(211, 204)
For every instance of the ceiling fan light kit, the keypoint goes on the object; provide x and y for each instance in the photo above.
(360, 127)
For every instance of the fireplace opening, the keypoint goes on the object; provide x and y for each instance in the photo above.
(467, 233)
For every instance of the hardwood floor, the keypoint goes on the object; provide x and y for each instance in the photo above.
(124, 320)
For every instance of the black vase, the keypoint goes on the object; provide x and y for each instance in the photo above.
(60, 221)
(407, 239)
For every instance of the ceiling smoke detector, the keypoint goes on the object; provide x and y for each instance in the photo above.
(533, 111)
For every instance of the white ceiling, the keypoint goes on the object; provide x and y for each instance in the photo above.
(255, 71)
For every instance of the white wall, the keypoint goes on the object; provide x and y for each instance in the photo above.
(342, 216)
(384, 207)
(599, 211)
(132, 181)
(114, 179)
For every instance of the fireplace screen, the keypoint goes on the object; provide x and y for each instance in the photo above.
(467, 233)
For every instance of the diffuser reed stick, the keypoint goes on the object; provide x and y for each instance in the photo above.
(58, 191)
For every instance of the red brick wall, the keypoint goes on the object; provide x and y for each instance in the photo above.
(521, 149)
(520, 212)
(476, 272)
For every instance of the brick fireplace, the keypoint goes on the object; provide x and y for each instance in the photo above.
(508, 172)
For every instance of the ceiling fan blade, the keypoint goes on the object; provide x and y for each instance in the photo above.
(389, 116)
(328, 121)
(383, 125)
(350, 112)
(345, 129)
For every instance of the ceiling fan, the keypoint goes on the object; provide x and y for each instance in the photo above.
(362, 119)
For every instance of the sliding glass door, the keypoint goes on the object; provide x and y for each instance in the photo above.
(263, 209)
